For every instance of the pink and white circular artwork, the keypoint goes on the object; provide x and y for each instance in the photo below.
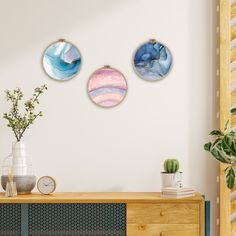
(107, 87)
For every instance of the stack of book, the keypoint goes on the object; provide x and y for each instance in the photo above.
(177, 192)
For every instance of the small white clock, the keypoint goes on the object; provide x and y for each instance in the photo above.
(46, 185)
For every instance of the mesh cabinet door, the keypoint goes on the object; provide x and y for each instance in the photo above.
(93, 219)
(10, 220)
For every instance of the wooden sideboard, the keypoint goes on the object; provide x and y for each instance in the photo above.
(146, 214)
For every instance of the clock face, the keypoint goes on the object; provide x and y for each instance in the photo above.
(46, 185)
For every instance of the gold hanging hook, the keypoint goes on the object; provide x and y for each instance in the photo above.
(61, 40)
(107, 66)
(152, 40)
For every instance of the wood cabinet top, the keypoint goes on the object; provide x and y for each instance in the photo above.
(97, 197)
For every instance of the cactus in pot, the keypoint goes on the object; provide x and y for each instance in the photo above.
(171, 177)
(171, 165)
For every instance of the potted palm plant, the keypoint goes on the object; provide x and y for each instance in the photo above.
(223, 148)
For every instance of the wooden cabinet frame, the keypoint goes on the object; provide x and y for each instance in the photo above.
(146, 214)
(227, 69)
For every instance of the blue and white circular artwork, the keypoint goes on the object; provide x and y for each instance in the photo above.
(152, 61)
(62, 60)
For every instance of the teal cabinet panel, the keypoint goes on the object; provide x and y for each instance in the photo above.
(67, 219)
(10, 220)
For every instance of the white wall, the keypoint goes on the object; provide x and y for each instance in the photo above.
(87, 148)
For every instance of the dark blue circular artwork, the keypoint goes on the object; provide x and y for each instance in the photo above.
(152, 61)
(61, 60)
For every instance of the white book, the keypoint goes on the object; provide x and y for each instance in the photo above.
(177, 197)
(177, 190)
(178, 194)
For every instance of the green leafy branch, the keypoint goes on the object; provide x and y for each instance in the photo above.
(17, 121)
(223, 149)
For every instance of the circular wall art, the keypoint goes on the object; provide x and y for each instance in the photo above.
(61, 60)
(152, 60)
(107, 87)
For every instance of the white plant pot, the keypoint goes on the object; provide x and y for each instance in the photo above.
(173, 180)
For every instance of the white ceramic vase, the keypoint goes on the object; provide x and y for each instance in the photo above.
(19, 165)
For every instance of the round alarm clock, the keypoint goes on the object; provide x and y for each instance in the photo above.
(46, 185)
